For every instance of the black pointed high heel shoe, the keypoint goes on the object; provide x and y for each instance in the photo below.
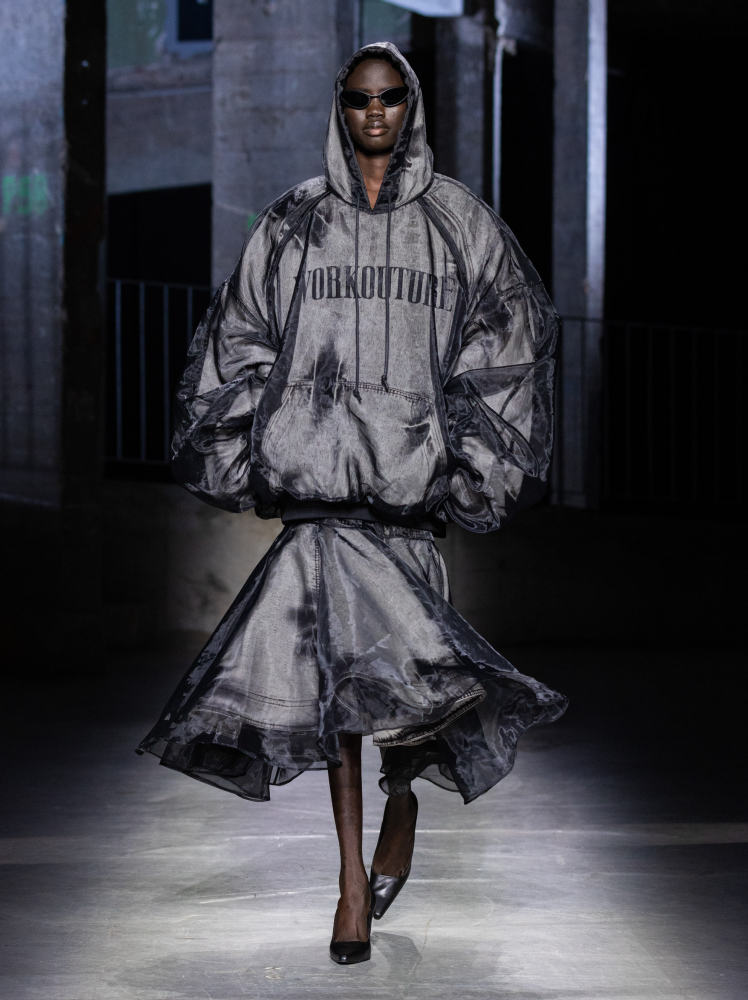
(352, 952)
(385, 888)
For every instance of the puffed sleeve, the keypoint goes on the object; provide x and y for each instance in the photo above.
(500, 391)
(229, 361)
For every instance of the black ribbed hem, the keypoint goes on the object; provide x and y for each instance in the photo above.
(319, 510)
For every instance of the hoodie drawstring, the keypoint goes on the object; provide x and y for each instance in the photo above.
(356, 392)
(387, 298)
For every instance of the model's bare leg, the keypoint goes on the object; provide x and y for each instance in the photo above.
(345, 790)
(395, 847)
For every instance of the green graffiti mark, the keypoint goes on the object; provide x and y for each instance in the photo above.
(38, 194)
(251, 219)
(10, 186)
(25, 195)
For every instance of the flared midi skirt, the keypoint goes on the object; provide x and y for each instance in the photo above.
(346, 626)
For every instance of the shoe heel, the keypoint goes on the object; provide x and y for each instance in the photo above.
(352, 952)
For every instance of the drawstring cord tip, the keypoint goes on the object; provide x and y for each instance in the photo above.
(384, 383)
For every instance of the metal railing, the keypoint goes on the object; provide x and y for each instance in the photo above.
(149, 328)
(672, 415)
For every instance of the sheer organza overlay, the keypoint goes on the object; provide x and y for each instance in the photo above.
(399, 357)
(396, 358)
(346, 626)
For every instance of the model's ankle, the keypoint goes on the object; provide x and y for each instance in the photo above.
(395, 848)
(355, 880)
(401, 807)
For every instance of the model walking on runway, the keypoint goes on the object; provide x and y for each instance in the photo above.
(378, 365)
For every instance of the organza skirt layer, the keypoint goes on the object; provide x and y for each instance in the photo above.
(346, 626)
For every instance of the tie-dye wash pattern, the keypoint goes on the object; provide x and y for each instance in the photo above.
(395, 359)
(346, 626)
(399, 356)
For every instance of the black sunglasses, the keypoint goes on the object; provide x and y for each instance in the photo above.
(390, 98)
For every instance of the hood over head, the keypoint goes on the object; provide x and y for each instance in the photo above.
(410, 170)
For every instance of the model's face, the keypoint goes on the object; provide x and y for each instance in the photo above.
(376, 128)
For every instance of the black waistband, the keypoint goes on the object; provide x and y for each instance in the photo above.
(317, 510)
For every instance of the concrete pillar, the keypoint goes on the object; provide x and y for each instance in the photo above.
(460, 99)
(579, 242)
(52, 92)
(348, 27)
(32, 142)
(273, 70)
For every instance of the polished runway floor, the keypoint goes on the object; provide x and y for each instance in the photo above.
(612, 863)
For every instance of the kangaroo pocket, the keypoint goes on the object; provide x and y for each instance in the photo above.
(324, 443)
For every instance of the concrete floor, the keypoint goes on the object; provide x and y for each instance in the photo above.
(612, 863)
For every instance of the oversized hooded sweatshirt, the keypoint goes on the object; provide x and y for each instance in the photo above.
(392, 362)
